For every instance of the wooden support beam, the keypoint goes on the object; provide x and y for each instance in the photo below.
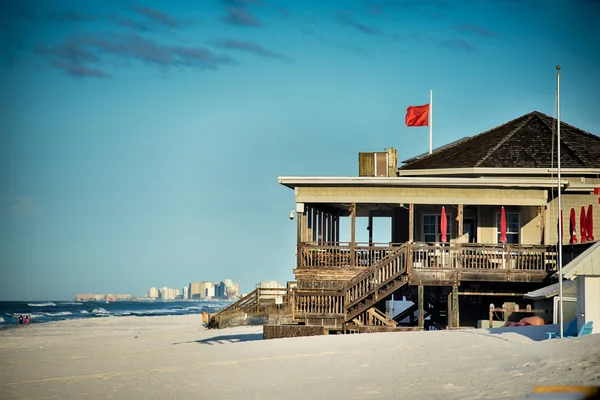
(449, 321)
(370, 228)
(314, 225)
(455, 313)
(304, 226)
(309, 221)
(411, 223)
(352, 234)
(300, 224)
(460, 221)
(421, 302)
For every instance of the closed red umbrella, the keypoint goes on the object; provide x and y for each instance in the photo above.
(502, 225)
(583, 225)
(590, 224)
(573, 227)
(443, 223)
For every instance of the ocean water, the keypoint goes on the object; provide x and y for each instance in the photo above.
(46, 311)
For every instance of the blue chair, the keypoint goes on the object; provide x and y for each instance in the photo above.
(571, 330)
(586, 329)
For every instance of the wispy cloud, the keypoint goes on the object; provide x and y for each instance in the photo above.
(71, 16)
(253, 48)
(70, 50)
(240, 3)
(475, 29)
(78, 70)
(158, 16)
(80, 55)
(240, 17)
(345, 19)
(145, 50)
(457, 44)
(127, 22)
(380, 7)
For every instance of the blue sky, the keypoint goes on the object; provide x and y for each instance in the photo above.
(141, 141)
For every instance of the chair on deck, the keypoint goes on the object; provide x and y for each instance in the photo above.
(571, 331)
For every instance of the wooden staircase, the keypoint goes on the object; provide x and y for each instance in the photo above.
(376, 283)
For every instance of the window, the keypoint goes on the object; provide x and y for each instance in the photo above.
(431, 228)
(513, 227)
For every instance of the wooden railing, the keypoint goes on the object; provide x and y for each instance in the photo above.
(342, 254)
(489, 257)
(429, 255)
(328, 302)
(253, 300)
(390, 267)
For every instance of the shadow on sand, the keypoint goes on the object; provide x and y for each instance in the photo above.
(223, 339)
(535, 333)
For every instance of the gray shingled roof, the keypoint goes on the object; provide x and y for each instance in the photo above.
(525, 142)
(549, 291)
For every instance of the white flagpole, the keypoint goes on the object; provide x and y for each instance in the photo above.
(560, 276)
(430, 119)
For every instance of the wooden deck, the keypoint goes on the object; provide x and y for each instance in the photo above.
(432, 262)
(376, 271)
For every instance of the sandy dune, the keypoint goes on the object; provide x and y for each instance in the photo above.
(152, 357)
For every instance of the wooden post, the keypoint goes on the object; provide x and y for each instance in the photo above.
(321, 227)
(305, 227)
(460, 233)
(352, 234)
(421, 303)
(314, 225)
(370, 228)
(337, 229)
(411, 223)
(329, 227)
(300, 222)
(455, 314)
(460, 220)
(449, 321)
(309, 223)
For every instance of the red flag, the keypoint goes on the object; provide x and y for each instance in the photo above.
(417, 115)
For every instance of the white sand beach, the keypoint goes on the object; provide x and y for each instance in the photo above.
(175, 357)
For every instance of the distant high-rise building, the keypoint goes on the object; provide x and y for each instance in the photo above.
(220, 290)
(195, 291)
(152, 293)
(184, 293)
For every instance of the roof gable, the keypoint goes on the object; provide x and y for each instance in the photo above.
(586, 264)
(525, 142)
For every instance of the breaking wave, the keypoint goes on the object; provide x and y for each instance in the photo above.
(48, 304)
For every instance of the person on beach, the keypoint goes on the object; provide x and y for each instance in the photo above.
(27, 320)
(20, 321)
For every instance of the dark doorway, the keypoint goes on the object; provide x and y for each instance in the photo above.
(469, 227)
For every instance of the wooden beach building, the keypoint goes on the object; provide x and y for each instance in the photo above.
(343, 286)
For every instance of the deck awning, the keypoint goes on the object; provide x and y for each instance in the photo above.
(423, 181)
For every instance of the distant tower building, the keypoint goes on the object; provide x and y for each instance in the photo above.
(153, 293)
(221, 290)
(195, 291)
(184, 291)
